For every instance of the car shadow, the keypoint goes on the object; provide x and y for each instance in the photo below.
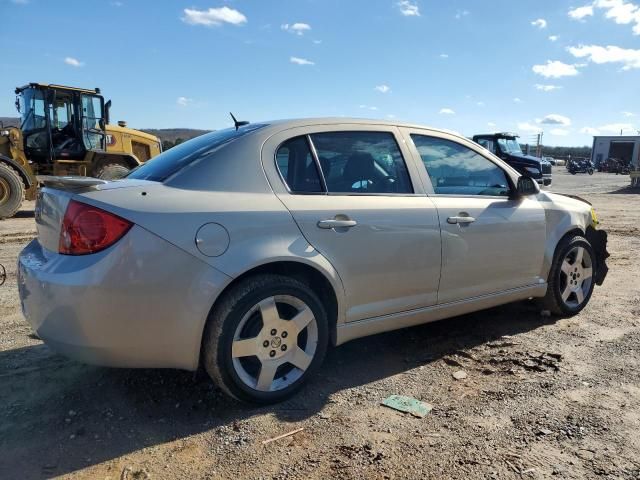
(24, 214)
(59, 416)
(626, 190)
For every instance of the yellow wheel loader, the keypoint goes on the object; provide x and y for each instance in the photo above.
(65, 131)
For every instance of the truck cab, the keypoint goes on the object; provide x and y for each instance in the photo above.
(507, 147)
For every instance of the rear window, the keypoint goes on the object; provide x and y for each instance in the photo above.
(166, 164)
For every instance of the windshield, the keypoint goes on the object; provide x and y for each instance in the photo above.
(510, 145)
(166, 164)
(32, 110)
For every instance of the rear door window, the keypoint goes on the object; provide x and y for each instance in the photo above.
(357, 162)
(298, 167)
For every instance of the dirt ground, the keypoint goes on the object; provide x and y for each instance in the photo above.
(543, 397)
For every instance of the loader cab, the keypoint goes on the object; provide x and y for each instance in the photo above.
(60, 123)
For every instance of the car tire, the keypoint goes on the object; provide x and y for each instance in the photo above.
(11, 191)
(268, 313)
(571, 278)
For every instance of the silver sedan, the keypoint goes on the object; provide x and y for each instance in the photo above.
(251, 250)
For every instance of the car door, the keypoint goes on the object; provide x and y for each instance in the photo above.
(359, 202)
(491, 241)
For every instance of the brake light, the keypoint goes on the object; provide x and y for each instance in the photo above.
(88, 229)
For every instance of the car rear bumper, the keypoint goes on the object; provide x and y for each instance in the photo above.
(140, 303)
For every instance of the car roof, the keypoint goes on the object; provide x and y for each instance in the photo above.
(304, 122)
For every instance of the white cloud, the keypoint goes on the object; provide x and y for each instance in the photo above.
(491, 124)
(301, 61)
(555, 69)
(446, 111)
(540, 23)
(628, 57)
(628, 114)
(317, 42)
(213, 17)
(517, 100)
(553, 38)
(618, 127)
(74, 62)
(444, 55)
(296, 28)
(116, 4)
(480, 104)
(547, 88)
(184, 101)
(529, 127)
(590, 131)
(581, 12)
(559, 132)
(368, 107)
(409, 8)
(621, 12)
(20, 2)
(391, 116)
(555, 119)
(383, 88)
(462, 13)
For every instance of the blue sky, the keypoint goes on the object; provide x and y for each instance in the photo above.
(569, 68)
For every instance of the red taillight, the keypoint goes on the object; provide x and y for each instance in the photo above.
(88, 229)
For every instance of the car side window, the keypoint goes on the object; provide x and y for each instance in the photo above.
(457, 170)
(361, 162)
(297, 166)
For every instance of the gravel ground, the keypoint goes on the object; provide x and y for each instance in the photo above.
(543, 397)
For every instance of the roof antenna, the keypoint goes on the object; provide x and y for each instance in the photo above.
(237, 123)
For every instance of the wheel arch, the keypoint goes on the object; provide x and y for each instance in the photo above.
(555, 240)
(24, 174)
(303, 272)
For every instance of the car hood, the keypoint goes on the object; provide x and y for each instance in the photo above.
(527, 159)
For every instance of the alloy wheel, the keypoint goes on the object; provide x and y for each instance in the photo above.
(576, 276)
(274, 343)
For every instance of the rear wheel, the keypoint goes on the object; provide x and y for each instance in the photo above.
(11, 191)
(113, 170)
(571, 279)
(265, 338)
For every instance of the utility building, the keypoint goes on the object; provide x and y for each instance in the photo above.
(625, 148)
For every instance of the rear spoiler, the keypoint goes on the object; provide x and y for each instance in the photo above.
(69, 183)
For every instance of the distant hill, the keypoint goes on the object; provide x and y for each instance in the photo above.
(10, 121)
(173, 134)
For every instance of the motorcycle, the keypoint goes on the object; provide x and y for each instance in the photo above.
(580, 166)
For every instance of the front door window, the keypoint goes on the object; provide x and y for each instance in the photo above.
(457, 170)
(92, 120)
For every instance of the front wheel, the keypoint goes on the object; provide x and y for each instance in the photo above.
(11, 191)
(265, 338)
(590, 171)
(571, 278)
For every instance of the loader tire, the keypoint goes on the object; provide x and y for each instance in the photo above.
(113, 171)
(11, 191)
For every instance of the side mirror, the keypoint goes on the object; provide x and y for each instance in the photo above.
(526, 186)
(101, 124)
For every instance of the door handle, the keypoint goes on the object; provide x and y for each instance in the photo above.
(460, 220)
(333, 223)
